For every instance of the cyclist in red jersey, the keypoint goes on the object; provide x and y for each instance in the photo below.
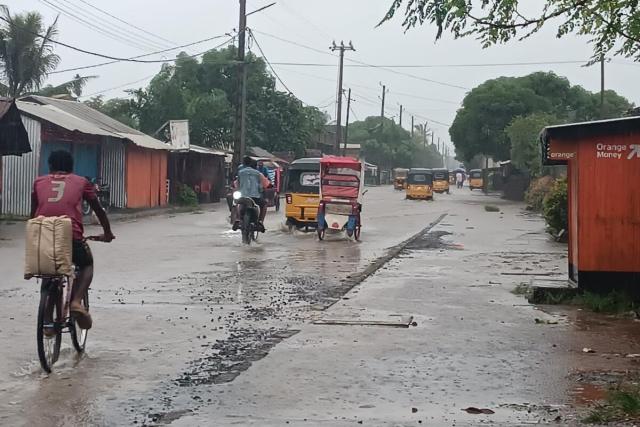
(60, 194)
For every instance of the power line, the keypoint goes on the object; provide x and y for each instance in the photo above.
(101, 55)
(127, 23)
(268, 63)
(138, 56)
(364, 63)
(91, 15)
(292, 11)
(93, 26)
(137, 81)
(119, 87)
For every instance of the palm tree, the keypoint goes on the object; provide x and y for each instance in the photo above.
(26, 52)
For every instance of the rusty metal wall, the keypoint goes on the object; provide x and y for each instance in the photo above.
(18, 173)
(113, 170)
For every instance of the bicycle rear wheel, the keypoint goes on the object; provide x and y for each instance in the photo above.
(79, 335)
(49, 343)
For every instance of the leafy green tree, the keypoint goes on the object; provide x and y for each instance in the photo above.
(205, 93)
(479, 126)
(390, 146)
(523, 133)
(613, 25)
(71, 89)
(25, 58)
(119, 109)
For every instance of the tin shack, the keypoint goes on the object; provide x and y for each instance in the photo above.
(603, 172)
(133, 164)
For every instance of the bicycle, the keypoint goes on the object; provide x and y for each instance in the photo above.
(55, 297)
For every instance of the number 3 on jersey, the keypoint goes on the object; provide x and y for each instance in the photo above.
(58, 189)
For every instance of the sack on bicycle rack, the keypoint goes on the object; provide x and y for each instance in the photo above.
(49, 247)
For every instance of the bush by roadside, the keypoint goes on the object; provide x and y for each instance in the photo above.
(537, 192)
(187, 197)
(555, 207)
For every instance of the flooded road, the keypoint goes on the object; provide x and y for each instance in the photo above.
(193, 328)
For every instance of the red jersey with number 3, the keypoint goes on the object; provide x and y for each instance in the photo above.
(62, 194)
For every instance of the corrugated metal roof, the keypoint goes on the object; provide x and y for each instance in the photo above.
(84, 112)
(205, 150)
(142, 140)
(76, 116)
(260, 152)
(62, 119)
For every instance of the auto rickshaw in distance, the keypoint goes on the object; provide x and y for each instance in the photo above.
(400, 178)
(302, 194)
(475, 179)
(341, 190)
(441, 180)
(420, 184)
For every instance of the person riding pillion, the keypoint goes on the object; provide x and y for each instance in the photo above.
(251, 183)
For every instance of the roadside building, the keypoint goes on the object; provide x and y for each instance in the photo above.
(132, 164)
(603, 171)
(201, 169)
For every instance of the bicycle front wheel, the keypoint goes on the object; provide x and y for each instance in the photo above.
(79, 335)
(49, 333)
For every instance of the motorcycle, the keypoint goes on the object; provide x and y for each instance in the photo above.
(103, 192)
(248, 213)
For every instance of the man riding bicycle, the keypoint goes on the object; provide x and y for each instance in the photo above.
(60, 194)
(251, 183)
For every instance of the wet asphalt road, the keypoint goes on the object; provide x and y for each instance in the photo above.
(193, 328)
(179, 302)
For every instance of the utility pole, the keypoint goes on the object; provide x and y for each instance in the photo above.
(346, 127)
(240, 113)
(342, 48)
(401, 115)
(424, 133)
(384, 94)
(602, 87)
(412, 126)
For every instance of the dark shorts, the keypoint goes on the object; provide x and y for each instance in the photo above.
(82, 254)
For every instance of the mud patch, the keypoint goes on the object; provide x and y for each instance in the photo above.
(432, 240)
(228, 358)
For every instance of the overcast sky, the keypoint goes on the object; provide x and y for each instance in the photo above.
(315, 24)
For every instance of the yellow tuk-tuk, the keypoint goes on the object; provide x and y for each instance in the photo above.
(420, 184)
(302, 194)
(441, 180)
(475, 179)
(400, 178)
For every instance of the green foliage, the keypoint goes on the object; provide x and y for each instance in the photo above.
(205, 93)
(187, 196)
(116, 108)
(555, 207)
(537, 193)
(490, 108)
(613, 25)
(523, 133)
(611, 303)
(25, 59)
(70, 90)
(391, 146)
(621, 404)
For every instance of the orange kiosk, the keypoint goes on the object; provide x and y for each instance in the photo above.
(603, 174)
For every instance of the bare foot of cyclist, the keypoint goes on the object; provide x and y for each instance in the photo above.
(81, 315)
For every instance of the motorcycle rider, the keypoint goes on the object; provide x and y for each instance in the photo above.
(251, 183)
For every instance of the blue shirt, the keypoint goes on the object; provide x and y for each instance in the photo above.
(250, 182)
